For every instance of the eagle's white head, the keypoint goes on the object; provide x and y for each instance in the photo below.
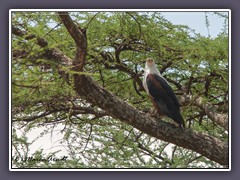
(151, 67)
(150, 62)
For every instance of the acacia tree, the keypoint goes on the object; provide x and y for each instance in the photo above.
(83, 70)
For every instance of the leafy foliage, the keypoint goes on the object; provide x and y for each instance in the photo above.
(118, 44)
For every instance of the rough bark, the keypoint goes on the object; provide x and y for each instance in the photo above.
(87, 88)
(220, 119)
(208, 146)
(79, 36)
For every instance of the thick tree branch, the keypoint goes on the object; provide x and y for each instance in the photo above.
(79, 36)
(204, 144)
(220, 119)
(49, 53)
(52, 53)
(87, 88)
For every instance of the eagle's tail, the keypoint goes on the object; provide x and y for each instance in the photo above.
(179, 119)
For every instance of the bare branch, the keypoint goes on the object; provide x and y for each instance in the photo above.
(220, 119)
(202, 143)
(79, 36)
(87, 88)
(75, 110)
(92, 19)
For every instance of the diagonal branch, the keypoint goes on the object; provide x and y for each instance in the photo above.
(75, 110)
(79, 36)
(204, 144)
(87, 88)
(220, 119)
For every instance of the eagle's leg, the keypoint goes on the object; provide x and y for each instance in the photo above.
(156, 112)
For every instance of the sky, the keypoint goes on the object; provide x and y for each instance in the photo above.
(195, 20)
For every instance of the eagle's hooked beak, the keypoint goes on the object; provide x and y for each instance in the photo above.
(150, 62)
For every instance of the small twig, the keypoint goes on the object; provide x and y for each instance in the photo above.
(53, 29)
(92, 19)
(88, 139)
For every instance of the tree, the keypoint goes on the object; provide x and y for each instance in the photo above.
(84, 70)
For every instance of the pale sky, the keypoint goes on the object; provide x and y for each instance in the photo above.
(197, 21)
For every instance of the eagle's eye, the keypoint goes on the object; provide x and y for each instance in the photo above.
(149, 60)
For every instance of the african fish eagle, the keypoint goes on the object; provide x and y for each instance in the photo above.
(161, 93)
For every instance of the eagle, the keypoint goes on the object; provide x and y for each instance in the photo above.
(161, 93)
